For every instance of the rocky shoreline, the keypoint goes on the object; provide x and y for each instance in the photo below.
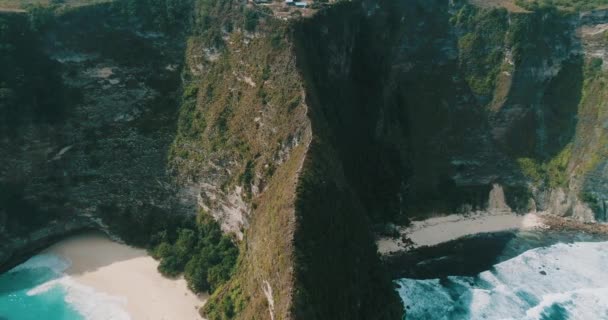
(471, 254)
(14, 251)
(566, 224)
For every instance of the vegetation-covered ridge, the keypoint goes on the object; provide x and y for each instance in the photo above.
(244, 106)
(429, 127)
(297, 139)
(241, 137)
(205, 256)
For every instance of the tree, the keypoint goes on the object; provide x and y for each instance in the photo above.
(196, 274)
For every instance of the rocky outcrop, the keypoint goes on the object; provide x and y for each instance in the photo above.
(496, 200)
(107, 151)
(569, 205)
(15, 250)
(300, 136)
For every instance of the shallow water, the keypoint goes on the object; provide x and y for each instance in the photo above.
(558, 281)
(39, 289)
(16, 300)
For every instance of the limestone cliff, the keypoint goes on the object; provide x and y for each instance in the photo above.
(101, 151)
(301, 134)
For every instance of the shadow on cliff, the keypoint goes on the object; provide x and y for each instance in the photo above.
(462, 257)
(119, 65)
(538, 118)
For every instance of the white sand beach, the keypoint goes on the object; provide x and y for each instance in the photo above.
(128, 273)
(436, 230)
(498, 216)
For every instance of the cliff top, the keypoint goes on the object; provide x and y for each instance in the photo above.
(287, 9)
(522, 6)
(510, 5)
(22, 5)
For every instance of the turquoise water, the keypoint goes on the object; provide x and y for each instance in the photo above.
(19, 299)
(563, 281)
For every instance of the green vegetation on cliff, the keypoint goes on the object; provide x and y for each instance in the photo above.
(313, 131)
(205, 256)
(590, 144)
(162, 15)
(481, 48)
(195, 247)
(243, 106)
(552, 173)
(36, 91)
(242, 109)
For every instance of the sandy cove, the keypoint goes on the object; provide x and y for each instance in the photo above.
(437, 230)
(130, 273)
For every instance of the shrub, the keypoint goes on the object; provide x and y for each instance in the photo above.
(203, 254)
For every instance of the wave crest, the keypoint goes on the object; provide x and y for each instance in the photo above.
(563, 281)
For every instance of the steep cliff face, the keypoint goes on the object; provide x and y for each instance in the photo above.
(243, 134)
(586, 168)
(298, 136)
(429, 104)
(550, 120)
(246, 143)
(89, 121)
(426, 106)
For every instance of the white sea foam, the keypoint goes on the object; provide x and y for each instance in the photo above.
(91, 304)
(45, 260)
(563, 281)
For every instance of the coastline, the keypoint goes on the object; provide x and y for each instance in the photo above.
(436, 230)
(17, 250)
(128, 274)
(478, 251)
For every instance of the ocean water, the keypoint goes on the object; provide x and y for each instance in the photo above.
(561, 281)
(39, 289)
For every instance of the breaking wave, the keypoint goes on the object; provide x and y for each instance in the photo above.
(562, 281)
(39, 289)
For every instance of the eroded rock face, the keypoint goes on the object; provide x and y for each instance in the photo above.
(569, 205)
(14, 250)
(445, 137)
(387, 108)
(231, 211)
(496, 200)
(108, 151)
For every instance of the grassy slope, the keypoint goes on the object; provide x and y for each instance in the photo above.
(255, 77)
(331, 235)
(268, 252)
(243, 109)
